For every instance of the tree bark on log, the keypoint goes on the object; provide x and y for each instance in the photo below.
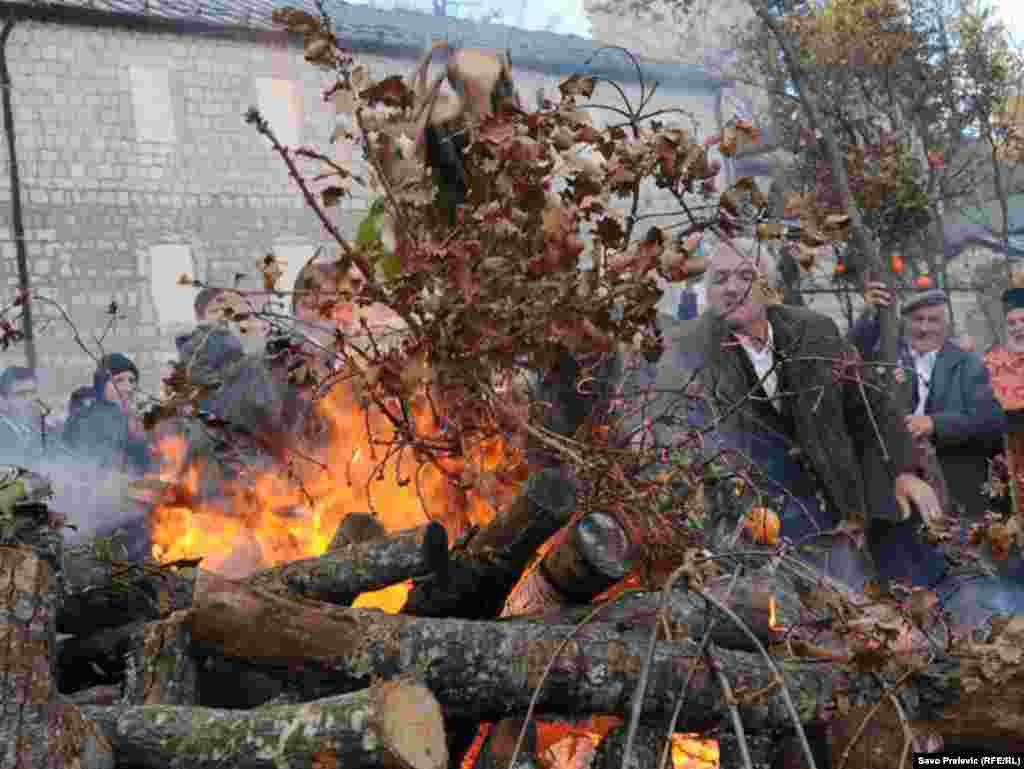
(339, 576)
(646, 749)
(638, 612)
(160, 667)
(36, 730)
(481, 670)
(593, 555)
(397, 723)
(480, 577)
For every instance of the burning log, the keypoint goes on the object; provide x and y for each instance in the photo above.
(397, 723)
(339, 576)
(595, 554)
(36, 729)
(480, 577)
(500, 744)
(481, 670)
(637, 613)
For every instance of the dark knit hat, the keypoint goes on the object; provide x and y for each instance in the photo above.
(110, 366)
(1013, 299)
(930, 298)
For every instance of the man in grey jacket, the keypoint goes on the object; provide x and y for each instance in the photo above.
(953, 404)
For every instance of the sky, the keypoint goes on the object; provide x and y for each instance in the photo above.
(561, 16)
(1012, 13)
(568, 16)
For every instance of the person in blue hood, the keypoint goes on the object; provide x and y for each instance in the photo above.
(109, 430)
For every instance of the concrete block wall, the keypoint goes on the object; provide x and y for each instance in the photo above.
(99, 192)
(130, 141)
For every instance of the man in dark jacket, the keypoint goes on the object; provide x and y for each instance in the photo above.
(953, 404)
(775, 391)
(110, 431)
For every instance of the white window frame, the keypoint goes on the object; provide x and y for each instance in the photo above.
(152, 104)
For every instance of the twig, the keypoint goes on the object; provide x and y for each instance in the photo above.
(547, 670)
(734, 712)
(889, 693)
(786, 696)
(705, 641)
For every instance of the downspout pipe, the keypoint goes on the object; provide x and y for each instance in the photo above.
(17, 222)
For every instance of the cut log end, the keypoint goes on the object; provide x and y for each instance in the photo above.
(412, 725)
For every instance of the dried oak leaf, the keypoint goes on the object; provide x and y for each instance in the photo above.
(577, 85)
(999, 541)
(391, 92)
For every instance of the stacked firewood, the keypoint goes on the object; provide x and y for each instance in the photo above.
(162, 666)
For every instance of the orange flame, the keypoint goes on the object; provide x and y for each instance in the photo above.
(561, 744)
(278, 516)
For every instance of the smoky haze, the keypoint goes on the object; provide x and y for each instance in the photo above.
(94, 499)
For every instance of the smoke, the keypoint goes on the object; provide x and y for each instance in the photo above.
(93, 499)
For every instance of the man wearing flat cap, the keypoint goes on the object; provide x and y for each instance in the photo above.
(952, 402)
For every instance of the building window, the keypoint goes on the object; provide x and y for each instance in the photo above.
(294, 257)
(173, 303)
(152, 104)
(280, 103)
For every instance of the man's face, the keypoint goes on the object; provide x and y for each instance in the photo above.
(222, 306)
(121, 388)
(23, 399)
(1015, 330)
(732, 289)
(926, 327)
(307, 310)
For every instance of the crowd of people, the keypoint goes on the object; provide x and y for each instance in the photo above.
(826, 449)
(230, 395)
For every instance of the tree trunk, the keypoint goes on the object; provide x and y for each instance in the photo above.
(35, 729)
(339, 576)
(397, 723)
(480, 578)
(481, 670)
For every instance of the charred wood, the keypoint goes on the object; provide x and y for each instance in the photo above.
(102, 592)
(481, 670)
(481, 576)
(594, 554)
(339, 576)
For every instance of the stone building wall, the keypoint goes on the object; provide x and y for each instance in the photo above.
(136, 166)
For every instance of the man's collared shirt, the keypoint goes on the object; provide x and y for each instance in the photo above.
(763, 361)
(924, 366)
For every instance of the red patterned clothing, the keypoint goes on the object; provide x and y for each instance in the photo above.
(1007, 371)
